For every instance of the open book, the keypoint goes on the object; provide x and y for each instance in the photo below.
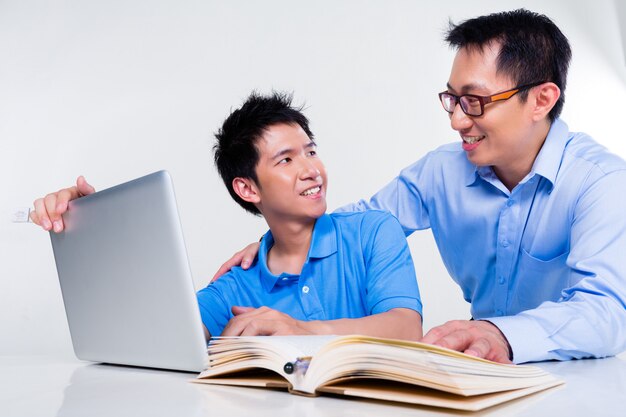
(369, 367)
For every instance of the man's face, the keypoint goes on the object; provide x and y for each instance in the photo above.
(291, 177)
(501, 137)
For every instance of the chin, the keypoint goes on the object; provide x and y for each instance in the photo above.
(479, 160)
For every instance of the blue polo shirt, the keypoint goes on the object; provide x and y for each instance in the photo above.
(358, 264)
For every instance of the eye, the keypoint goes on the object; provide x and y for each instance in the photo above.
(312, 153)
(284, 161)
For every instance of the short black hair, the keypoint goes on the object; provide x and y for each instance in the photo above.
(236, 152)
(533, 48)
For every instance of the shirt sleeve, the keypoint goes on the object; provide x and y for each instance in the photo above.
(391, 281)
(214, 309)
(402, 197)
(589, 320)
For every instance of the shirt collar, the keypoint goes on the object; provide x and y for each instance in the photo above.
(546, 164)
(323, 244)
(548, 160)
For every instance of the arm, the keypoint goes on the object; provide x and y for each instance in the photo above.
(590, 317)
(401, 197)
(589, 320)
(48, 210)
(398, 323)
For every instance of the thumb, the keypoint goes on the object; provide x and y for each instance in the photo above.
(84, 188)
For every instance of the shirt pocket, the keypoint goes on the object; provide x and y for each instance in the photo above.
(540, 280)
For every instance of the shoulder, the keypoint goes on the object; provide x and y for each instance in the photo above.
(581, 149)
(232, 282)
(365, 222)
(445, 162)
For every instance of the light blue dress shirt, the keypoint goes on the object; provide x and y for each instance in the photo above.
(545, 262)
(358, 264)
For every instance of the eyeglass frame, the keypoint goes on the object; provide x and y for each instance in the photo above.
(483, 100)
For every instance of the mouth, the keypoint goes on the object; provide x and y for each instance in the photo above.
(312, 191)
(470, 140)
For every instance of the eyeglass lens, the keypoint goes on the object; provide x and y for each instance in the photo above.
(470, 105)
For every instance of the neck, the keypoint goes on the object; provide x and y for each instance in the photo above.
(514, 171)
(292, 241)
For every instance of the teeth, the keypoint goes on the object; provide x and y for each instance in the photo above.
(472, 139)
(311, 191)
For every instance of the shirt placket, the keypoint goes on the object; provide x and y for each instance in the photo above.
(309, 299)
(510, 227)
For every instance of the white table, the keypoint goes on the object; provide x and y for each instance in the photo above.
(40, 386)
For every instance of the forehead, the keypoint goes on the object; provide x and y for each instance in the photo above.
(474, 70)
(281, 137)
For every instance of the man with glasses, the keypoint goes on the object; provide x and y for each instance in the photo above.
(529, 218)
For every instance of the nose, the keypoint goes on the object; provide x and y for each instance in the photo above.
(309, 171)
(459, 120)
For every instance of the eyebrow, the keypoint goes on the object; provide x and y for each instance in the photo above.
(288, 151)
(467, 87)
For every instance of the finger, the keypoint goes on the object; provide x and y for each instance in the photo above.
(439, 332)
(458, 340)
(83, 187)
(228, 265)
(63, 197)
(238, 310)
(261, 328)
(237, 324)
(249, 253)
(42, 214)
(34, 217)
(50, 202)
(479, 348)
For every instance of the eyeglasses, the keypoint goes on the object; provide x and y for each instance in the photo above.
(474, 105)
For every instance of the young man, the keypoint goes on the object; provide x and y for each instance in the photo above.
(316, 273)
(528, 217)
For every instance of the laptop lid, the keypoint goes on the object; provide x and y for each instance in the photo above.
(125, 278)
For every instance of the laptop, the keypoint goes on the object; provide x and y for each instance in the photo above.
(126, 281)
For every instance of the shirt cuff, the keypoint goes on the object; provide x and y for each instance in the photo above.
(398, 302)
(528, 340)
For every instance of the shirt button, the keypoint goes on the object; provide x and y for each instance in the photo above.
(285, 279)
(505, 243)
(305, 289)
(501, 280)
(510, 203)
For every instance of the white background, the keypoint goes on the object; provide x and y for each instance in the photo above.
(117, 89)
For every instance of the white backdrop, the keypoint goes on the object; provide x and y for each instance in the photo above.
(117, 89)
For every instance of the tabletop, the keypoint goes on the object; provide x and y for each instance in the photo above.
(46, 386)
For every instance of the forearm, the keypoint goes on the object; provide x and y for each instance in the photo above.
(398, 323)
(566, 330)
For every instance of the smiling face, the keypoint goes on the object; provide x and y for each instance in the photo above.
(291, 177)
(506, 135)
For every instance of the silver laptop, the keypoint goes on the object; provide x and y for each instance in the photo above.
(125, 278)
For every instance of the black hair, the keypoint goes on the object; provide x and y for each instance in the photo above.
(532, 48)
(236, 152)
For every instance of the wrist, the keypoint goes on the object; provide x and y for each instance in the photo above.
(506, 341)
(316, 327)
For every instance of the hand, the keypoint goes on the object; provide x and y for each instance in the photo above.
(262, 321)
(242, 258)
(48, 210)
(478, 338)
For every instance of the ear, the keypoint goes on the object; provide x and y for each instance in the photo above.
(247, 190)
(544, 98)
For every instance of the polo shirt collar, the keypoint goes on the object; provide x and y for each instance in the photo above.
(323, 244)
(546, 164)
